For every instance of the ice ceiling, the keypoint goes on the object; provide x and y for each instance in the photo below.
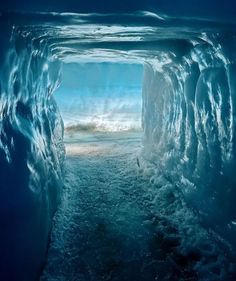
(116, 37)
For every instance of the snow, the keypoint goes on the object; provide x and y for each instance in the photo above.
(114, 224)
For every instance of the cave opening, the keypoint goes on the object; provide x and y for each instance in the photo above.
(100, 100)
(100, 96)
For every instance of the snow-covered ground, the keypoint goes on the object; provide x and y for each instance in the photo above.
(114, 224)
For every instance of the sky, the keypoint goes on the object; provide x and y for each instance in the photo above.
(205, 8)
(104, 96)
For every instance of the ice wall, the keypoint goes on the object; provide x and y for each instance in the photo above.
(189, 105)
(31, 152)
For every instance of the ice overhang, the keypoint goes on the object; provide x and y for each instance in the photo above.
(134, 37)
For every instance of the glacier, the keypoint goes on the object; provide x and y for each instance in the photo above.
(188, 118)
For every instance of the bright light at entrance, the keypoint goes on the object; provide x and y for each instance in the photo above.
(101, 96)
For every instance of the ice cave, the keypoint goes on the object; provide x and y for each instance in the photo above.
(117, 142)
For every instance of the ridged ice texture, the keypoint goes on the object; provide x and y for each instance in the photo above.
(188, 114)
(189, 106)
(31, 154)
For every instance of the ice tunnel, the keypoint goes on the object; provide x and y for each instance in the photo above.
(186, 68)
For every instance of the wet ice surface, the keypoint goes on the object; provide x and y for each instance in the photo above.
(114, 224)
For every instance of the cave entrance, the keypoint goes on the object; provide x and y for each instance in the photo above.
(101, 220)
(98, 97)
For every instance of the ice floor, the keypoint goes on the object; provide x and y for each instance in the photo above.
(114, 224)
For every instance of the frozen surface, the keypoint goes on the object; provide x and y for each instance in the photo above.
(113, 224)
